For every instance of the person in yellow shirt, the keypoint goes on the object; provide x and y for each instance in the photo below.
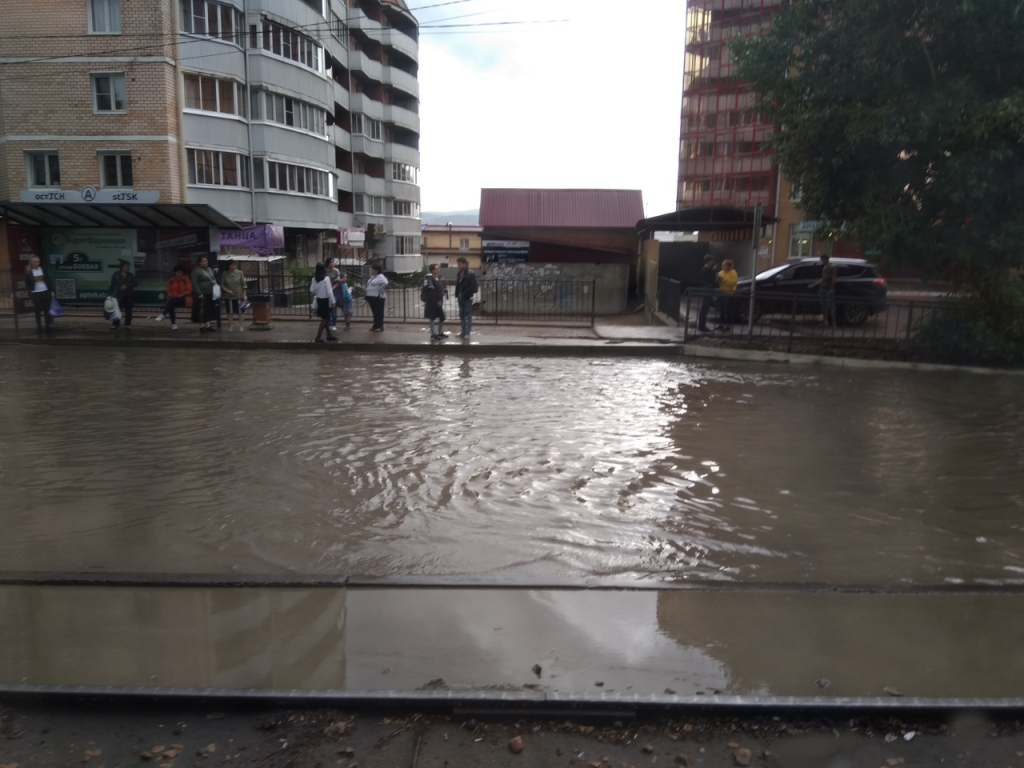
(727, 279)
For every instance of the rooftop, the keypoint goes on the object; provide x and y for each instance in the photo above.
(561, 208)
(433, 228)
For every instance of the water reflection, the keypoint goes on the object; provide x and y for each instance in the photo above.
(527, 469)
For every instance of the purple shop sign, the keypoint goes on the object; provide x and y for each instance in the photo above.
(263, 238)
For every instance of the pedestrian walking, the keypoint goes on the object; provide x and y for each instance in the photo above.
(232, 285)
(376, 294)
(122, 290)
(433, 295)
(334, 275)
(708, 283)
(179, 296)
(727, 279)
(346, 300)
(827, 290)
(320, 287)
(204, 283)
(465, 288)
(38, 284)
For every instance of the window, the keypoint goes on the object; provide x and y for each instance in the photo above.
(295, 178)
(406, 244)
(116, 169)
(402, 172)
(214, 94)
(205, 17)
(405, 208)
(796, 193)
(369, 204)
(463, 243)
(282, 41)
(799, 242)
(43, 169)
(108, 92)
(339, 30)
(316, 5)
(297, 114)
(104, 16)
(366, 126)
(219, 169)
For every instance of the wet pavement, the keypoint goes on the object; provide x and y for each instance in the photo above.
(666, 646)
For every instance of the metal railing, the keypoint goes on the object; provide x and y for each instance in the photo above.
(567, 302)
(799, 318)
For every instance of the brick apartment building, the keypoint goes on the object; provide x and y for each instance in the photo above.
(724, 155)
(301, 114)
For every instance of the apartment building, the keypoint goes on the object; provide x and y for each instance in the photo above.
(301, 114)
(724, 157)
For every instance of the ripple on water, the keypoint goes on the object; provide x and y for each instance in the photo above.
(504, 469)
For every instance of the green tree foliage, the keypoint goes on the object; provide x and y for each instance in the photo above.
(903, 119)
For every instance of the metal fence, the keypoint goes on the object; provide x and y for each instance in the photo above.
(565, 302)
(798, 318)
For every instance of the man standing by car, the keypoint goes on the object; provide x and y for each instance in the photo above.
(708, 284)
(827, 290)
(465, 288)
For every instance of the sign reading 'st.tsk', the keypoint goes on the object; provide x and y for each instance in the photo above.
(90, 196)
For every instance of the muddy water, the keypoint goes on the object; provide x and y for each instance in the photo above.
(506, 470)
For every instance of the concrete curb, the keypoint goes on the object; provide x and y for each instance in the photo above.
(524, 701)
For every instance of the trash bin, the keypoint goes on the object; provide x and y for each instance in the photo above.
(261, 319)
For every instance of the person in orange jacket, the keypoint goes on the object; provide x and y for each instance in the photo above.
(179, 294)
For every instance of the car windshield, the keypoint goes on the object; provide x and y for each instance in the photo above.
(771, 272)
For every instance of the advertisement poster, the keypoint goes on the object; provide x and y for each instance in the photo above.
(506, 251)
(82, 261)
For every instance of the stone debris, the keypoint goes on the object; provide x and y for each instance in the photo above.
(741, 756)
(515, 744)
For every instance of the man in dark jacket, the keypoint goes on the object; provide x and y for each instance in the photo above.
(433, 294)
(122, 288)
(708, 283)
(465, 287)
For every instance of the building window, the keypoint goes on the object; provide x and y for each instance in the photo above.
(369, 204)
(108, 92)
(796, 193)
(218, 169)
(205, 17)
(214, 94)
(800, 242)
(300, 180)
(294, 113)
(403, 172)
(366, 126)
(43, 169)
(405, 208)
(316, 5)
(406, 245)
(116, 169)
(463, 243)
(105, 16)
(282, 41)
(339, 29)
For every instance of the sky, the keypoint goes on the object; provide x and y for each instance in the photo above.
(589, 102)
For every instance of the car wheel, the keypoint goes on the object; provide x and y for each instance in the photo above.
(854, 314)
(743, 311)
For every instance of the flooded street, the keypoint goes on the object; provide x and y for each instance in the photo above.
(506, 470)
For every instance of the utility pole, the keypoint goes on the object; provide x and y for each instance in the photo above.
(756, 241)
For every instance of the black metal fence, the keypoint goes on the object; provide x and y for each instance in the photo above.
(566, 302)
(800, 318)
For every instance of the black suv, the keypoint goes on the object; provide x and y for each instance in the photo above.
(860, 290)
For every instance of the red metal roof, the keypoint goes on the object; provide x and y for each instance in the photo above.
(564, 208)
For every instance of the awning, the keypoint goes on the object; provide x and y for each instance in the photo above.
(715, 219)
(110, 215)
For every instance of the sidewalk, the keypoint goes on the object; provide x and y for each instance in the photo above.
(605, 338)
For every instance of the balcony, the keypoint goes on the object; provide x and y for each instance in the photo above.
(402, 190)
(362, 103)
(403, 118)
(399, 153)
(368, 147)
(360, 62)
(359, 20)
(401, 42)
(367, 185)
(341, 137)
(403, 81)
(344, 179)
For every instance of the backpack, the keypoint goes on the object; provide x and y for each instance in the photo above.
(425, 291)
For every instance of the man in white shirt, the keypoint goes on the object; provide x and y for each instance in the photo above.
(376, 291)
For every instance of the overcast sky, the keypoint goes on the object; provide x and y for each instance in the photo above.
(592, 102)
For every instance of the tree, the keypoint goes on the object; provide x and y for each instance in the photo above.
(904, 121)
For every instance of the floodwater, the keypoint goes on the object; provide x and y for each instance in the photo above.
(506, 470)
